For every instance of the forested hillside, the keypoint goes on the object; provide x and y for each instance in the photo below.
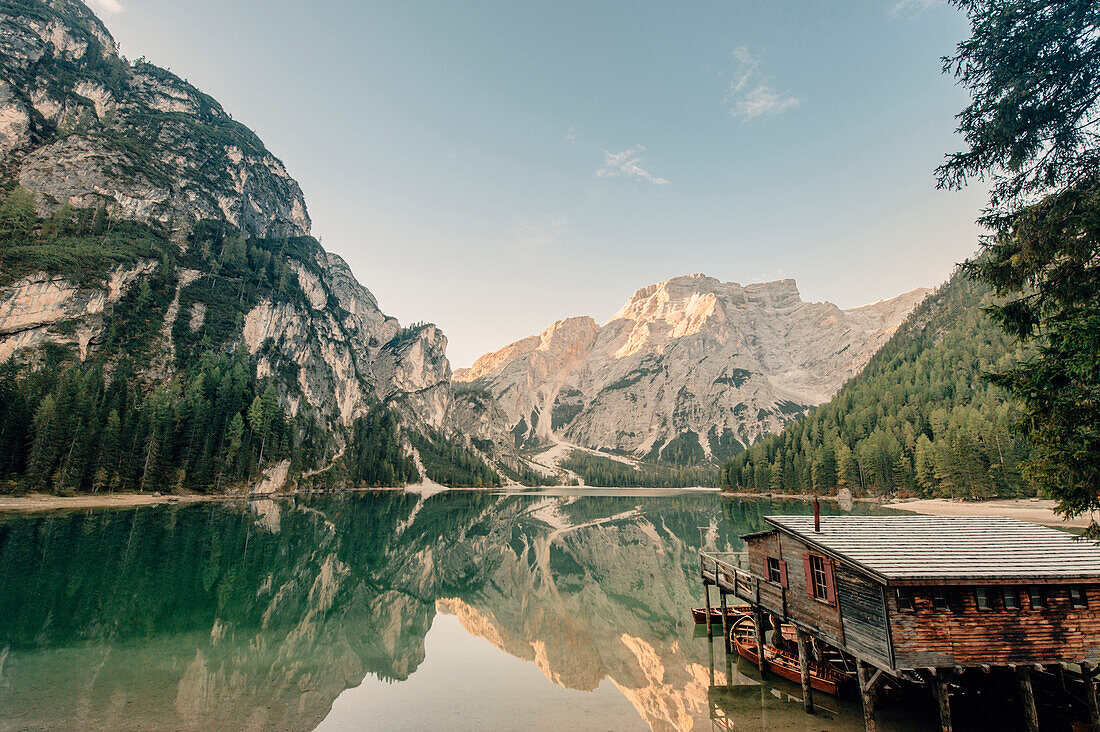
(166, 320)
(919, 419)
(126, 415)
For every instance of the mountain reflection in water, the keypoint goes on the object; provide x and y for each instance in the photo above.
(345, 613)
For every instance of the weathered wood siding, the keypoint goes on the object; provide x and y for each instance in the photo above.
(863, 616)
(817, 616)
(962, 634)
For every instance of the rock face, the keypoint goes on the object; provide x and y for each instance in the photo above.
(688, 368)
(81, 126)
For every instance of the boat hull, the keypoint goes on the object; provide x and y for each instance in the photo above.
(699, 614)
(822, 678)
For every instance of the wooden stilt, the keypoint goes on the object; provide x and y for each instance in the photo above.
(710, 650)
(758, 616)
(1027, 696)
(706, 599)
(725, 621)
(943, 696)
(804, 670)
(867, 695)
(1090, 695)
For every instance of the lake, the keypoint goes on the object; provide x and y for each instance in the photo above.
(385, 610)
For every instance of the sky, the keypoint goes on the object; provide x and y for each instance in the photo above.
(495, 166)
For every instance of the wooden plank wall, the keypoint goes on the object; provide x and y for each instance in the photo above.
(817, 616)
(963, 634)
(863, 615)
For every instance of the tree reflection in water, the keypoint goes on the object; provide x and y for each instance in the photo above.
(259, 616)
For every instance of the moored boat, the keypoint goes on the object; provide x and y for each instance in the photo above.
(823, 678)
(733, 613)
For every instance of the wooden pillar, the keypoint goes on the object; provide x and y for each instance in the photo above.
(725, 621)
(1087, 670)
(710, 651)
(867, 695)
(1027, 696)
(943, 697)
(758, 617)
(804, 671)
(706, 599)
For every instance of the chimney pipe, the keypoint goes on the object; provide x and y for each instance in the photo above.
(817, 515)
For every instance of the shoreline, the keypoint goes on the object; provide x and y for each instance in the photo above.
(35, 502)
(1033, 510)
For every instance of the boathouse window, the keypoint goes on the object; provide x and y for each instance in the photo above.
(1077, 596)
(1038, 598)
(939, 599)
(1009, 596)
(905, 599)
(775, 574)
(817, 571)
(985, 599)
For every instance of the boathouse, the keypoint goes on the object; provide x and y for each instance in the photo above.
(923, 599)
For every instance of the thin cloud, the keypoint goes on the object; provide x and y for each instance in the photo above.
(913, 8)
(106, 7)
(627, 164)
(571, 135)
(539, 237)
(753, 95)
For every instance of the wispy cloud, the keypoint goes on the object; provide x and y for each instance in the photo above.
(913, 8)
(538, 237)
(627, 164)
(106, 7)
(751, 94)
(571, 135)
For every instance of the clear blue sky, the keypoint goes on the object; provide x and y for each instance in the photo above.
(494, 166)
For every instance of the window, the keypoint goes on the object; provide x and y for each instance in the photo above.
(819, 577)
(1008, 594)
(1077, 596)
(905, 599)
(775, 574)
(939, 599)
(985, 600)
(1038, 598)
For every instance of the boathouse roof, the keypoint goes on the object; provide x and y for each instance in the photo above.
(948, 548)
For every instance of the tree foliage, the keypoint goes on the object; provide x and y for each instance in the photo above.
(920, 418)
(1033, 129)
(121, 416)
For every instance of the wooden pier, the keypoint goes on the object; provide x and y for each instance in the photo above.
(924, 601)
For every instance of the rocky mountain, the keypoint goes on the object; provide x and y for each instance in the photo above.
(920, 418)
(689, 370)
(143, 225)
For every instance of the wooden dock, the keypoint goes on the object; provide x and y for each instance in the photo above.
(925, 602)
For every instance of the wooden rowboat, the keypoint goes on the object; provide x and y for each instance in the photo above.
(733, 613)
(823, 678)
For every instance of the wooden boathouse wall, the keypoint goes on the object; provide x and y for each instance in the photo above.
(864, 617)
(900, 596)
(962, 634)
(853, 613)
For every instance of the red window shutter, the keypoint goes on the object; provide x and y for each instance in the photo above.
(809, 575)
(783, 574)
(766, 573)
(830, 582)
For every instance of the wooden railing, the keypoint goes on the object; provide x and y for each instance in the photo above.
(724, 569)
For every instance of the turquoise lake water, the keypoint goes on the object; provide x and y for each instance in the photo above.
(385, 610)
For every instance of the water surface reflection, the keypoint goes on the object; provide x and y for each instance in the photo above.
(380, 610)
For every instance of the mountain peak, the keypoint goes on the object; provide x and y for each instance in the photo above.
(91, 105)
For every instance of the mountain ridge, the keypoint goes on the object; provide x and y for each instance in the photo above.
(727, 345)
(136, 204)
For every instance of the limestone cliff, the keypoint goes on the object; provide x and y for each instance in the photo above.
(83, 129)
(695, 365)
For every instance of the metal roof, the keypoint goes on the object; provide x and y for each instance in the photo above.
(948, 547)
